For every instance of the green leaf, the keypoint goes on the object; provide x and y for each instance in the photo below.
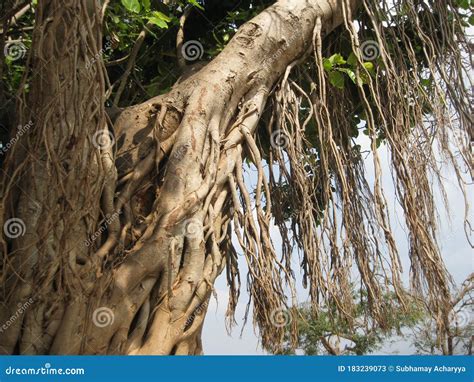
(471, 20)
(369, 66)
(158, 22)
(132, 5)
(327, 64)
(146, 4)
(337, 59)
(196, 4)
(464, 4)
(349, 72)
(426, 82)
(337, 79)
(352, 60)
(159, 19)
(161, 16)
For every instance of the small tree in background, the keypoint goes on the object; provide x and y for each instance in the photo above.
(321, 332)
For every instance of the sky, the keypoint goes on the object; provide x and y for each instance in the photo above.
(456, 251)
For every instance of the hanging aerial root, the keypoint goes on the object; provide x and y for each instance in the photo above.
(413, 101)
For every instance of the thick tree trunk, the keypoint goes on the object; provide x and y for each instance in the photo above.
(166, 202)
(44, 260)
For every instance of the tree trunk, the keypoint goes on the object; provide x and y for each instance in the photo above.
(123, 243)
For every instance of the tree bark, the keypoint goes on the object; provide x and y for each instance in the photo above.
(166, 194)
